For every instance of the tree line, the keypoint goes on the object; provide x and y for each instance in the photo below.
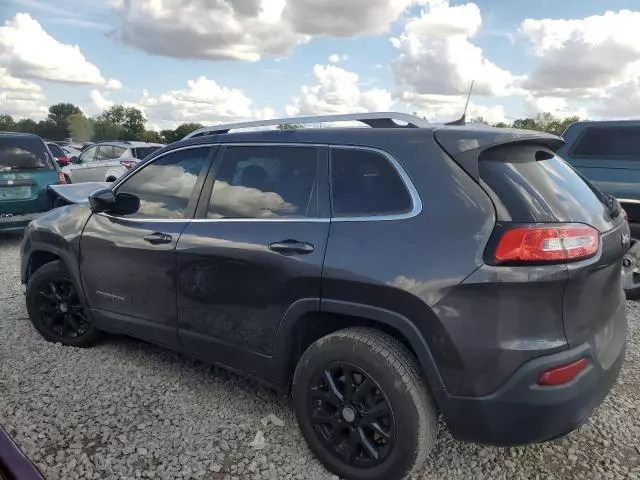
(66, 120)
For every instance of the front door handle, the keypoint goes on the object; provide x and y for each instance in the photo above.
(157, 238)
(291, 247)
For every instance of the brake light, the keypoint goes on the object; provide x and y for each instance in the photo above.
(61, 178)
(547, 244)
(127, 164)
(63, 161)
(562, 374)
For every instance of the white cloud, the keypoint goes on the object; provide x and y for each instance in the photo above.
(445, 108)
(337, 91)
(436, 56)
(99, 102)
(203, 101)
(246, 29)
(619, 102)
(21, 98)
(28, 51)
(337, 58)
(583, 58)
(558, 107)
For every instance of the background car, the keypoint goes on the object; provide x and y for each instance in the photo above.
(27, 168)
(59, 153)
(107, 161)
(607, 153)
(71, 151)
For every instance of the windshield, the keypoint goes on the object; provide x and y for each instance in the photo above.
(23, 153)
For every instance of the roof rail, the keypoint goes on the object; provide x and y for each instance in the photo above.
(372, 119)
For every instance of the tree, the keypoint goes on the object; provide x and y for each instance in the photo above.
(180, 132)
(479, 119)
(7, 124)
(121, 123)
(58, 115)
(47, 130)
(150, 136)
(26, 125)
(289, 126)
(80, 127)
(502, 125)
(104, 130)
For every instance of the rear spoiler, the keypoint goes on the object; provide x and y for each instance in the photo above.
(76, 192)
(465, 144)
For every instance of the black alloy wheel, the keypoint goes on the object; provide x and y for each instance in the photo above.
(351, 415)
(56, 309)
(61, 310)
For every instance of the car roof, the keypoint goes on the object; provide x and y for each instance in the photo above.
(457, 138)
(19, 134)
(128, 144)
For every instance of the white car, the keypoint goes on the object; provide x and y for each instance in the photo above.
(107, 161)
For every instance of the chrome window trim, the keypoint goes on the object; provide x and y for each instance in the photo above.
(628, 200)
(416, 202)
(413, 193)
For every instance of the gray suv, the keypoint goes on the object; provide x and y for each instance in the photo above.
(383, 275)
(107, 161)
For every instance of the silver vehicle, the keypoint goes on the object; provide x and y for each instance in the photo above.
(106, 161)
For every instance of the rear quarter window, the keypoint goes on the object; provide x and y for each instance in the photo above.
(529, 184)
(613, 142)
(23, 153)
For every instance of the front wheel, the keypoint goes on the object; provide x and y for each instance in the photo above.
(56, 310)
(363, 406)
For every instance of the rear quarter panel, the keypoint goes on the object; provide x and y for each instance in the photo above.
(407, 266)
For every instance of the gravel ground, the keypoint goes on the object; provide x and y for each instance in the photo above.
(127, 409)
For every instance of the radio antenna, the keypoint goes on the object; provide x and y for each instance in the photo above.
(463, 119)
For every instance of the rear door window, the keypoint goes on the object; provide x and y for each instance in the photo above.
(142, 152)
(365, 183)
(530, 184)
(23, 153)
(612, 142)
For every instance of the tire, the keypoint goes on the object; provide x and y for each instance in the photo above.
(56, 273)
(393, 372)
(111, 179)
(67, 179)
(631, 271)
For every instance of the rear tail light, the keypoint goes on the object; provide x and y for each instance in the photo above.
(127, 164)
(63, 161)
(547, 243)
(61, 178)
(562, 374)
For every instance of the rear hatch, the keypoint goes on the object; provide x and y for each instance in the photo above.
(26, 170)
(532, 188)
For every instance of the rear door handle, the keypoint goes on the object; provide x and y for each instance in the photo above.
(157, 238)
(291, 247)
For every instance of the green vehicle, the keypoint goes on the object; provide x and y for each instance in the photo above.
(27, 168)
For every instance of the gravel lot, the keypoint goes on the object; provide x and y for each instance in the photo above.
(127, 409)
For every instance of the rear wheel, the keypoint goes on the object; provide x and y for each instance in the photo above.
(631, 271)
(67, 179)
(111, 179)
(363, 406)
(55, 308)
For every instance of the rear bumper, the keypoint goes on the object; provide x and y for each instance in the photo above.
(17, 222)
(523, 412)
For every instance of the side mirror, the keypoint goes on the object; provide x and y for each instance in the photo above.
(74, 159)
(126, 204)
(102, 200)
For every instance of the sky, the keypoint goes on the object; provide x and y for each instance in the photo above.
(219, 61)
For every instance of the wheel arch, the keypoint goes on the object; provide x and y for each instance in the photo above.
(307, 320)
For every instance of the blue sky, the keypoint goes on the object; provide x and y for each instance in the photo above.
(520, 54)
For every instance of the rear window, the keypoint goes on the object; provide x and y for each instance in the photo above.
(620, 142)
(56, 150)
(142, 152)
(530, 184)
(23, 153)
